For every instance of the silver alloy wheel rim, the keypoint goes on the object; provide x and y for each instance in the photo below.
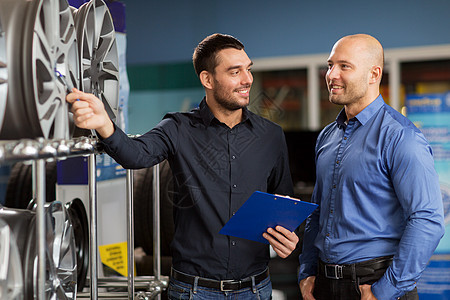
(11, 280)
(80, 224)
(54, 54)
(40, 43)
(61, 279)
(98, 52)
(3, 75)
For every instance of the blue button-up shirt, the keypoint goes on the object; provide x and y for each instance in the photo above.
(378, 195)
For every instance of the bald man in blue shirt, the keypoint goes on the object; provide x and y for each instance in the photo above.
(380, 214)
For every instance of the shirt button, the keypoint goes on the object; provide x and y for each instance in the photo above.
(233, 243)
(328, 235)
(331, 211)
(345, 138)
(337, 162)
(233, 157)
(334, 186)
(234, 185)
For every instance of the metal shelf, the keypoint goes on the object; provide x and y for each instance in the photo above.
(37, 152)
(41, 149)
(148, 287)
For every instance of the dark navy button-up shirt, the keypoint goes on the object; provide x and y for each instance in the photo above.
(215, 168)
(378, 194)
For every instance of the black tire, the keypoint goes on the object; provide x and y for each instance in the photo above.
(143, 208)
(19, 188)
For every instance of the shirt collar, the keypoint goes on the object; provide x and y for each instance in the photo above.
(205, 113)
(341, 118)
(207, 116)
(364, 115)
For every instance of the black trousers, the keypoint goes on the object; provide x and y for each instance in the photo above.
(347, 288)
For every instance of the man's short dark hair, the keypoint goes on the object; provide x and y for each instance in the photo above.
(205, 54)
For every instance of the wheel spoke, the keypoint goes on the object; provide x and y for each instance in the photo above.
(106, 42)
(109, 71)
(67, 27)
(88, 41)
(99, 12)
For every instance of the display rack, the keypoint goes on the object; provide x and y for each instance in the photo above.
(37, 152)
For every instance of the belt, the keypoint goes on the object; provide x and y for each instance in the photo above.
(221, 285)
(351, 271)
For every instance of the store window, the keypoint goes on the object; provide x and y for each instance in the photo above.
(424, 77)
(281, 96)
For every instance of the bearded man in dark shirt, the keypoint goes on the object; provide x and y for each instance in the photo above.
(219, 153)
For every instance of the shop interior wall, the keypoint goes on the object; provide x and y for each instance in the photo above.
(161, 36)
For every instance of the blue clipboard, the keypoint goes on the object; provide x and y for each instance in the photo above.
(263, 210)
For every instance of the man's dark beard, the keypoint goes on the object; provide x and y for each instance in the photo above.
(227, 103)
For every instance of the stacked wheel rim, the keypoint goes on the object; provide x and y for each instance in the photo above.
(80, 223)
(11, 280)
(61, 256)
(99, 61)
(42, 63)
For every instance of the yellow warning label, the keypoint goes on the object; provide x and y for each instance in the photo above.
(115, 257)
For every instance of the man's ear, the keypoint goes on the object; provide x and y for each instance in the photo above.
(375, 74)
(206, 79)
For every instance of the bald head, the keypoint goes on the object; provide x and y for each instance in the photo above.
(365, 45)
(355, 68)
